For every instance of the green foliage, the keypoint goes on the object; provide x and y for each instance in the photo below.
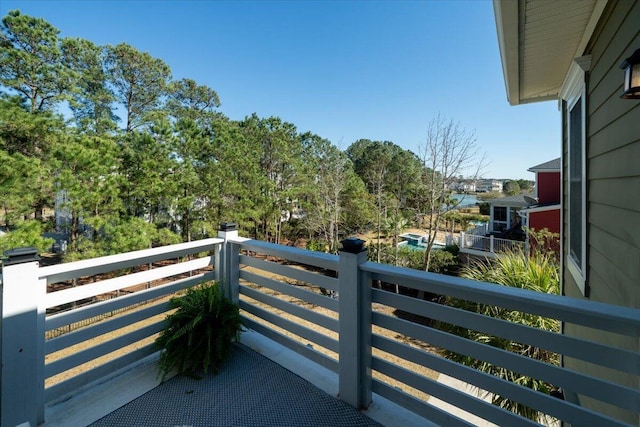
(458, 221)
(119, 235)
(525, 184)
(512, 188)
(489, 196)
(539, 273)
(26, 233)
(200, 333)
(187, 99)
(139, 82)
(316, 245)
(179, 163)
(30, 61)
(91, 98)
(443, 261)
(544, 242)
(485, 208)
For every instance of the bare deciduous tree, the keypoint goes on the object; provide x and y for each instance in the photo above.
(448, 152)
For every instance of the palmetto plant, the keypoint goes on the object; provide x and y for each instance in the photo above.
(200, 333)
(538, 272)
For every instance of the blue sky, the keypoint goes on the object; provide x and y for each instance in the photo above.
(343, 70)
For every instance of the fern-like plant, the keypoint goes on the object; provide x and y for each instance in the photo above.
(200, 333)
(538, 272)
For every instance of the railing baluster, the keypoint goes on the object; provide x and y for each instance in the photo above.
(228, 277)
(22, 346)
(355, 326)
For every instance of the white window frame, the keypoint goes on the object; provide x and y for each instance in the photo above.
(572, 91)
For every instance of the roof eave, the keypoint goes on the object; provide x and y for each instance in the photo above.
(509, 25)
(506, 16)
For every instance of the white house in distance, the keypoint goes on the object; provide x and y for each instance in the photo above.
(504, 213)
(489, 185)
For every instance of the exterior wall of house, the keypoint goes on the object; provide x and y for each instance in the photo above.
(548, 187)
(546, 219)
(613, 177)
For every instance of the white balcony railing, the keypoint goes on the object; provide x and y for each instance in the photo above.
(489, 246)
(328, 308)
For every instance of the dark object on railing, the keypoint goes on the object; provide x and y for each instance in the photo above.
(20, 255)
(228, 226)
(353, 245)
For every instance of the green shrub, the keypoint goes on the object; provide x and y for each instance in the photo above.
(538, 272)
(26, 233)
(200, 333)
(316, 245)
(443, 261)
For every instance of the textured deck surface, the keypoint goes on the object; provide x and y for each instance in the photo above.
(249, 390)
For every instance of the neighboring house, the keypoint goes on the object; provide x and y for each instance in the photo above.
(570, 52)
(544, 211)
(489, 185)
(504, 213)
(466, 186)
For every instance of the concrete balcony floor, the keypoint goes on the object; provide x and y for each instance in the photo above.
(251, 389)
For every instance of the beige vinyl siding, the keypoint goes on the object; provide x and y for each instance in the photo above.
(613, 187)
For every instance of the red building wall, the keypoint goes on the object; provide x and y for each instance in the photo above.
(548, 187)
(546, 219)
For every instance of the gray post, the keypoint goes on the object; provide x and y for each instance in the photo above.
(355, 325)
(228, 262)
(22, 390)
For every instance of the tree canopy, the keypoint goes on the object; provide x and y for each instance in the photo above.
(142, 158)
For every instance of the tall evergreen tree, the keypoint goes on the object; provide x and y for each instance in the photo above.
(140, 82)
(31, 61)
(91, 99)
(279, 149)
(189, 100)
(87, 180)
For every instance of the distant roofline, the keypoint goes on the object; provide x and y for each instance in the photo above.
(550, 166)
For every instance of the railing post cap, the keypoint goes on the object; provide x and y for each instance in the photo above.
(20, 256)
(353, 245)
(228, 226)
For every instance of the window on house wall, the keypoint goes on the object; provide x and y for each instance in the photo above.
(575, 184)
(574, 95)
(500, 213)
(499, 218)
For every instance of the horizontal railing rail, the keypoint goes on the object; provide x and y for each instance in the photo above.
(332, 310)
(615, 320)
(276, 283)
(113, 338)
(93, 266)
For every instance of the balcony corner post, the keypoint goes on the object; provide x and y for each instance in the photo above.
(228, 262)
(22, 339)
(491, 244)
(354, 290)
(461, 240)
